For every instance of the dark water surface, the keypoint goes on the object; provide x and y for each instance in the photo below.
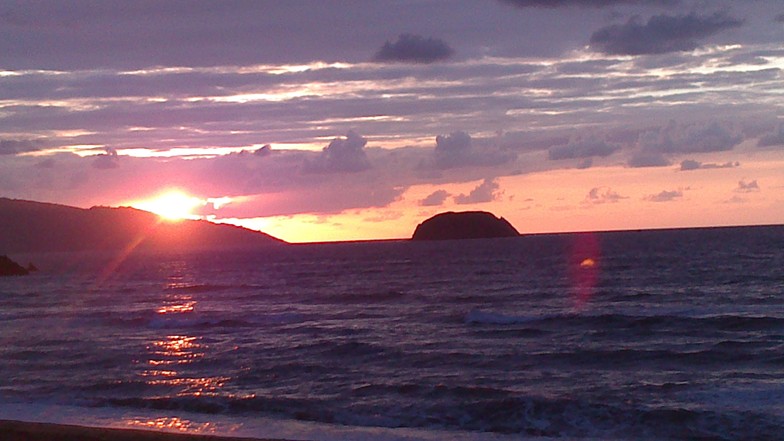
(674, 334)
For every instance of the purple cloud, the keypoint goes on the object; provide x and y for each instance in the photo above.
(603, 195)
(435, 198)
(410, 48)
(14, 146)
(341, 155)
(661, 34)
(646, 158)
(264, 150)
(487, 191)
(580, 148)
(747, 186)
(108, 160)
(691, 164)
(665, 196)
(456, 150)
(776, 138)
(673, 138)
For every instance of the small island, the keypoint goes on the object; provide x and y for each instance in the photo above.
(464, 225)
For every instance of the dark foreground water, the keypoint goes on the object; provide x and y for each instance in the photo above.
(639, 335)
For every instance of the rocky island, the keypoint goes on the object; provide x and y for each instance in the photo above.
(464, 225)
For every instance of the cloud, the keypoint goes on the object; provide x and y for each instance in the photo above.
(747, 186)
(690, 164)
(779, 18)
(435, 198)
(341, 155)
(665, 196)
(776, 138)
(453, 150)
(14, 146)
(456, 150)
(45, 163)
(487, 191)
(661, 34)
(579, 148)
(264, 150)
(646, 158)
(582, 3)
(585, 163)
(735, 200)
(603, 195)
(411, 48)
(108, 160)
(673, 138)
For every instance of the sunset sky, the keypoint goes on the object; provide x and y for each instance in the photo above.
(341, 120)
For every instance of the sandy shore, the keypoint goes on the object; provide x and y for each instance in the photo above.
(22, 431)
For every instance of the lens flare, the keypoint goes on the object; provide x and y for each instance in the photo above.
(584, 268)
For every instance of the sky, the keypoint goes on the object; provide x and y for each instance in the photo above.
(352, 120)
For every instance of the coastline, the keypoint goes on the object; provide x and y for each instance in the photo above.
(13, 430)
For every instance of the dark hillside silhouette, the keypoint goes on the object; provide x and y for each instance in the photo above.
(10, 268)
(27, 226)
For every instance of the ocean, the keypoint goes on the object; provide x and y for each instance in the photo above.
(670, 334)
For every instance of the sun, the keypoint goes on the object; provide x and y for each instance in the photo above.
(171, 205)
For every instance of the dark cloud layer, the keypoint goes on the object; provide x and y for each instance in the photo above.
(14, 146)
(583, 3)
(410, 48)
(776, 138)
(660, 34)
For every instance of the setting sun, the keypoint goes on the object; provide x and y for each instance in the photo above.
(171, 205)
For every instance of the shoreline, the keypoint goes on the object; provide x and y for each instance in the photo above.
(13, 430)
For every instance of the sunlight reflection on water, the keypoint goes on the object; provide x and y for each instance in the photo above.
(172, 423)
(180, 350)
(177, 306)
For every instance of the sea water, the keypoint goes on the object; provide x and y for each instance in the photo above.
(673, 334)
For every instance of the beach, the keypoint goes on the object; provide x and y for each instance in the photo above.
(25, 431)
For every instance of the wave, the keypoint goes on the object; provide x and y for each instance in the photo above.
(208, 287)
(722, 322)
(195, 320)
(476, 316)
(486, 410)
(364, 297)
(178, 321)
